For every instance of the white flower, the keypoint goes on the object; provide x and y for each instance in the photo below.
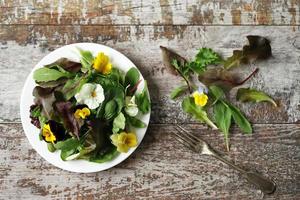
(131, 108)
(91, 95)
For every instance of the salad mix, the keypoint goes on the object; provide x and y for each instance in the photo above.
(88, 109)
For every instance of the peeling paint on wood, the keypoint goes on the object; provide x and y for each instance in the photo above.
(161, 168)
(162, 12)
(278, 76)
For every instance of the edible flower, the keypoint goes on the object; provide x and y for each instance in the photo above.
(200, 97)
(53, 132)
(48, 134)
(82, 113)
(102, 64)
(91, 95)
(123, 141)
(130, 106)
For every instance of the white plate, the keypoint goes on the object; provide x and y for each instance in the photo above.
(118, 60)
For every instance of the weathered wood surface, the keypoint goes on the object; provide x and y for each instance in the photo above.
(177, 173)
(278, 76)
(150, 12)
(161, 168)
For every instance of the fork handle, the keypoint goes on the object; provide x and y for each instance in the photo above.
(265, 185)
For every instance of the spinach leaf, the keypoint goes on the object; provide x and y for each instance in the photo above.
(106, 155)
(45, 74)
(178, 91)
(247, 94)
(67, 144)
(222, 116)
(143, 101)
(131, 78)
(188, 106)
(240, 119)
(135, 122)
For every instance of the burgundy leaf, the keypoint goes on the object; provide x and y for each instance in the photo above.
(66, 112)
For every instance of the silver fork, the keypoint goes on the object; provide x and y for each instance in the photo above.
(199, 146)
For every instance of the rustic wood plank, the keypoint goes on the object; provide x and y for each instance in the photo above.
(279, 76)
(162, 12)
(161, 168)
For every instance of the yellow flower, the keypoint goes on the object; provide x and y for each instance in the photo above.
(82, 113)
(102, 64)
(200, 98)
(48, 134)
(123, 141)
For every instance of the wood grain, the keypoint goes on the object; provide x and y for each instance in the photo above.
(278, 76)
(161, 168)
(150, 12)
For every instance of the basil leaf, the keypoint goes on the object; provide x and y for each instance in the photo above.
(143, 101)
(240, 119)
(107, 155)
(222, 116)
(86, 60)
(178, 91)
(135, 122)
(110, 109)
(118, 123)
(188, 106)
(131, 78)
(45, 74)
(247, 94)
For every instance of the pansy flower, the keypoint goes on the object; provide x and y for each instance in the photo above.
(53, 132)
(200, 98)
(130, 106)
(123, 141)
(102, 64)
(82, 113)
(91, 95)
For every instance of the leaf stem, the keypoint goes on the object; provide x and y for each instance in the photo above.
(247, 78)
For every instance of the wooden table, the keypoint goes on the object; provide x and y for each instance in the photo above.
(161, 168)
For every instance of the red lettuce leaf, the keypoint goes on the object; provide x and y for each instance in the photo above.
(66, 112)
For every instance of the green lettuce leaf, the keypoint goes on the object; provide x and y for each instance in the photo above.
(118, 123)
(247, 94)
(45, 74)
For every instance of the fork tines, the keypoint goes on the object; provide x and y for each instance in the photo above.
(187, 138)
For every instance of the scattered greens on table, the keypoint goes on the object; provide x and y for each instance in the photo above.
(87, 109)
(207, 98)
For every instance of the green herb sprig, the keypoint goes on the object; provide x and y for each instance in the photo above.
(215, 77)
